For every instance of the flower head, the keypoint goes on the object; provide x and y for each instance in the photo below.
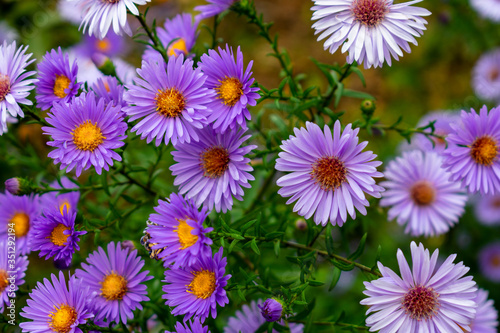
(473, 149)
(421, 195)
(214, 7)
(196, 290)
(489, 261)
(486, 74)
(190, 327)
(61, 201)
(177, 228)
(271, 309)
(84, 133)
(428, 298)
(487, 209)
(372, 31)
(15, 84)
(489, 9)
(329, 174)
(9, 274)
(57, 79)
(486, 320)
(214, 170)
(55, 306)
(117, 280)
(170, 100)
(232, 84)
(111, 46)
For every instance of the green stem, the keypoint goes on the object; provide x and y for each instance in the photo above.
(327, 99)
(35, 116)
(262, 190)
(156, 42)
(327, 323)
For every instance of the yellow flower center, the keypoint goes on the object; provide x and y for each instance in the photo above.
(4, 86)
(63, 205)
(61, 84)
(423, 193)
(114, 287)
(21, 223)
(103, 45)
(215, 161)
(62, 318)
(178, 45)
(3, 280)
(57, 236)
(170, 102)
(186, 238)
(87, 136)
(484, 150)
(203, 284)
(230, 90)
(329, 172)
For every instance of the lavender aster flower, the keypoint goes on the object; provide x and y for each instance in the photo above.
(271, 310)
(329, 175)
(472, 154)
(54, 235)
(487, 209)
(486, 320)
(193, 327)
(214, 7)
(489, 261)
(177, 228)
(213, 170)
(372, 31)
(85, 132)
(15, 84)
(56, 307)
(18, 213)
(61, 201)
(9, 274)
(7, 33)
(421, 195)
(196, 290)
(489, 9)
(57, 79)
(428, 298)
(232, 83)
(170, 99)
(112, 45)
(486, 75)
(117, 280)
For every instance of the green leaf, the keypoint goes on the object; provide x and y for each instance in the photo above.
(277, 247)
(254, 247)
(360, 249)
(241, 295)
(335, 277)
(342, 265)
(338, 93)
(314, 283)
(232, 245)
(329, 239)
(357, 94)
(358, 72)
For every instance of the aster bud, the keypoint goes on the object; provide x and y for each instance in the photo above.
(272, 309)
(20, 186)
(368, 106)
(301, 224)
(128, 244)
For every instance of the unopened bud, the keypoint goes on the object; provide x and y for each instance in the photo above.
(368, 106)
(104, 64)
(272, 309)
(20, 186)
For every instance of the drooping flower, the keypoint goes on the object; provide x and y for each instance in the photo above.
(486, 320)
(61, 201)
(177, 228)
(214, 7)
(117, 280)
(15, 84)
(249, 319)
(18, 213)
(271, 309)
(11, 277)
(372, 31)
(57, 79)
(170, 100)
(232, 84)
(55, 306)
(489, 261)
(487, 8)
(84, 133)
(420, 194)
(473, 148)
(428, 298)
(108, 88)
(486, 75)
(99, 15)
(54, 234)
(214, 170)
(195, 291)
(193, 327)
(487, 209)
(329, 175)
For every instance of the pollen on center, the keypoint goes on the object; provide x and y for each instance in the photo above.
(175, 47)
(4, 86)
(3, 280)
(21, 223)
(329, 172)
(484, 150)
(423, 193)
(186, 238)
(60, 85)
(114, 287)
(57, 236)
(215, 161)
(230, 90)
(88, 136)
(62, 318)
(203, 284)
(369, 12)
(170, 102)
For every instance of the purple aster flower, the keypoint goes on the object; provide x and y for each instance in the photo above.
(15, 84)
(420, 194)
(442, 127)
(193, 327)
(472, 153)
(112, 45)
(486, 320)
(57, 79)
(196, 290)
(489, 9)
(214, 7)
(249, 319)
(108, 88)
(271, 309)
(428, 298)
(84, 133)
(61, 201)
(18, 213)
(489, 261)
(10, 277)
(56, 307)
(171, 100)
(99, 15)
(329, 175)
(177, 228)
(228, 78)
(54, 234)
(487, 209)
(372, 31)
(7, 33)
(486, 75)
(213, 170)
(116, 278)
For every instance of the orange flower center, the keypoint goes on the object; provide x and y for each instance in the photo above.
(62, 318)
(178, 45)
(103, 45)
(484, 150)
(61, 84)
(57, 236)
(230, 90)
(170, 102)
(423, 193)
(186, 238)
(203, 284)
(3, 280)
(114, 287)
(215, 161)
(21, 223)
(329, 172)
(87, 136)
(64, 205)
